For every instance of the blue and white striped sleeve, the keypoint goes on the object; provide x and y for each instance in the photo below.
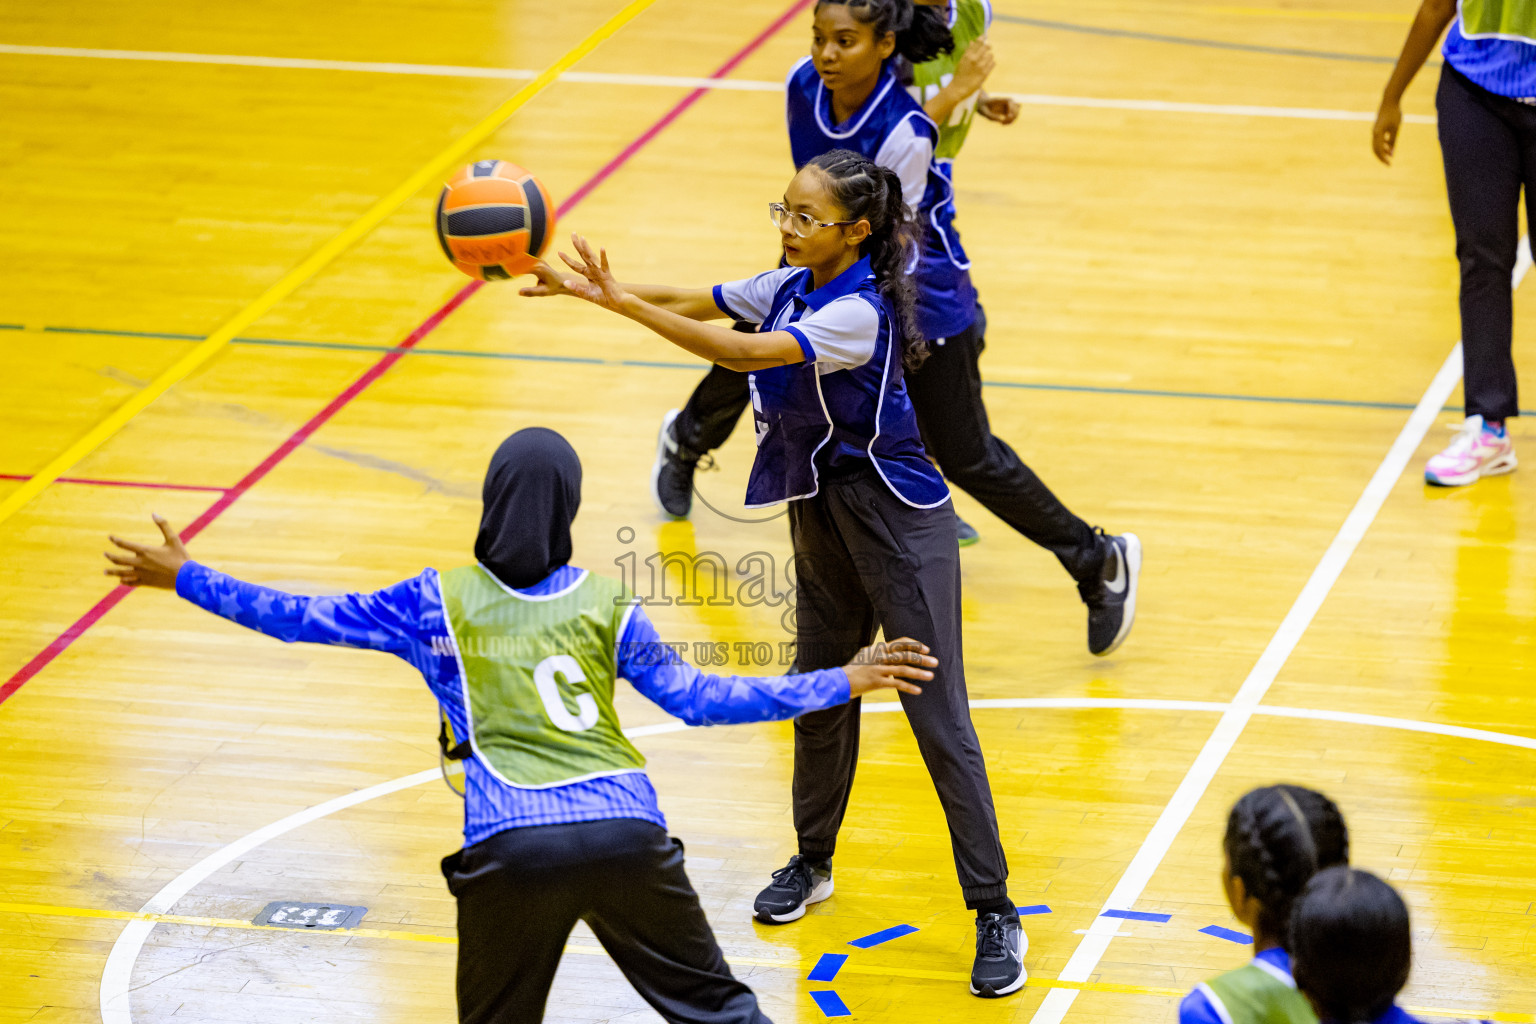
(751, 299)
(698, 698)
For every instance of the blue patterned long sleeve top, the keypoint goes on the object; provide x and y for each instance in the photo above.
(408, 620)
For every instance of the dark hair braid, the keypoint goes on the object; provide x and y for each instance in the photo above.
(1351, 944)
(867, 191)
(1277, 838)
(922, 32)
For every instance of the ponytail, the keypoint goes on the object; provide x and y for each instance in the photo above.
(867, 191)
(922, 32)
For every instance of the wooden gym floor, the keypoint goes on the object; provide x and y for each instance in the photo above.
(1212, 317)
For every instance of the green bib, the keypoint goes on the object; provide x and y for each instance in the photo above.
(538, 676)
(1252, 995)
(931, 76)
(1509, 19)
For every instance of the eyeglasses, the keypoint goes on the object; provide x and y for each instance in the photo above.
(800, 224)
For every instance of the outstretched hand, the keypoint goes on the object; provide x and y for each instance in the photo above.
(146, 566)
(890, 666)
(595, 282)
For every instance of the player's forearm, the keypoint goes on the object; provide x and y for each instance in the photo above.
(700, 698)
(277, 614)
(1428, 24)
(693, 303)
(732, 349)
(944, 102)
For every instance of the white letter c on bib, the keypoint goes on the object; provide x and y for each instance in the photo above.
(554, 704)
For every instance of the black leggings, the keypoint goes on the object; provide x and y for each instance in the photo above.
(521, 891)
(866, 560)
(1488, 143)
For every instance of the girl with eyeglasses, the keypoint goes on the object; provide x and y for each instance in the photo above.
(849, 94)
(870, 517)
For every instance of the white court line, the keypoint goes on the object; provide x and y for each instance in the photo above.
(117, 975)
(1220, 109)
(672, 81)
(1085, 959)
(380, 68)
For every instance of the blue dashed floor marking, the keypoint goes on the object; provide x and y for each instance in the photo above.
(827, 967)
(831, 1004)
(1039, 908)
(1227, 933)
(884, 936)
(1138, 915)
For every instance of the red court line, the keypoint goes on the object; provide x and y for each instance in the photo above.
(119, 483)
(62, 642)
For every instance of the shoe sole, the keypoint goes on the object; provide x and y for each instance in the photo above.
(1132, 580)
(988, 992)
(1498, 467)
(661, 460)
(821, 892)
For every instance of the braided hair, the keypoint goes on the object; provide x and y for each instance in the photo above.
(1277, 838)
(867, 191)
(922, 32)
(1351, 944)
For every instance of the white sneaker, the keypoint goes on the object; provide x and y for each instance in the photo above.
(1476, 452)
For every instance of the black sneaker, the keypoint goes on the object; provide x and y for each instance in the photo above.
(1000, 948)
(794, 887)
(1111, 595)
(965, 533)
(672, 475)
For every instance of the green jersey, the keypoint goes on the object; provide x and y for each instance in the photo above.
(968, 21)
(1505, 19)
(1257, 993)
(539, 674)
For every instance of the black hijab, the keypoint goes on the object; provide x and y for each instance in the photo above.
(532, 492)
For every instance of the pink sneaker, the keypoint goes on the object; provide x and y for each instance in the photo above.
(1476, 452)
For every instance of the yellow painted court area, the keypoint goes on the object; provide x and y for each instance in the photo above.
(1211, 318)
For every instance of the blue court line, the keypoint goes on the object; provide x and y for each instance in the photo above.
(12, 327)
(831, 1004)
(124, 334)
(887, 935)
(827, 967)
(1039, 908)
(1227, 933)
(656, 364)
(1215, 44)
(1138, 915)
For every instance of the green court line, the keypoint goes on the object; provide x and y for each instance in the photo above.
(534, 357)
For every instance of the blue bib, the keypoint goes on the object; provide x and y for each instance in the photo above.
(946, 299)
